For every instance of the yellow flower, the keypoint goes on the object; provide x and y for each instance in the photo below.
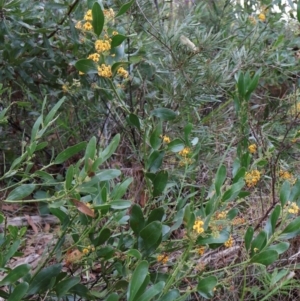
(294, 209)
(104, 70)
(88, 16)
(262, 17)
(255, 250)
(78, 25)
(162, 258)
(198, 226)
(185, 152)
(87, 26)
(94, 56)
(252, 178)
(102, 45)
(238, 221)
(65, 88)
(221, 215)
(229, 242)
(109, 14)
(122, 72)
(114, 33)
(166, 139)
(201, 251)
(85, 251)
(285, 175)
(252, 148)
(81, 73)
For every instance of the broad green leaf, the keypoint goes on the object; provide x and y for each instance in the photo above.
(248, 237)
(232, 213)
(104, 235)
(253, 84)
(86, 66)
(98, 18)
(69, 152)
(213, 239)
(155, 161)
(110, 149)
(120, 189)
(53, 111)
(116, 66)
(152, 291)
(277, 276)
(187, 130)
(220, 178)
(155, 140)
(137, 220)
(240, 174)
(82, 291)
(265, 257)
(19, 292)
(206, 286)
(133, 120)
(170, 296)
(164, 114)
(117, 40)
(259, 242)
(112, 297)
(271, 222)
(108, 174)
(40, 282)
(151, 235)
(69, 177)
(36, 127)
(124, 8)
(134, 253)
(15, 274)
(90, 153)
(156, 214)
(176, 146)
(138, 277)
(233, 191)
(280, 248)
(63, 287)
(285, 193)
(291, 230)
(21, 192)
(160, 183)
(142, 288)
(295, 192)
(120, 204)
(298, 11)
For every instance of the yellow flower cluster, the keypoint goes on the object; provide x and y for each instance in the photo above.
(252, 148)
(122, 72)
(162, 258)
(104, 70)
(294, 209)
(185, 161)
(252, 178)
(87, 250)
(229, 242)
(87, 26)
(198, 226)
(109, 14)
(185, 152)
(114, 33)
(262, 17)
(201, 251)
(102, 45)
(238, 221)
(166, 139)
(65, 88)
(221, 215)
(88, 16)
(94, 56)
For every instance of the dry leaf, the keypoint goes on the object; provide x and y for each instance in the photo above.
(31, 223)
(83, 208)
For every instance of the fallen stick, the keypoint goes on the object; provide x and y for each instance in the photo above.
(22, 220)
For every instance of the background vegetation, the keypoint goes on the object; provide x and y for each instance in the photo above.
(164, 138)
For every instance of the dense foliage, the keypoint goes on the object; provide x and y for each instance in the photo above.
(164, 138)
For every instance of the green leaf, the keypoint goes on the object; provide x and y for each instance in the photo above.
(164, 114)
(298, 11)
(133, 120)
(110, 149)
(212, 239)
(155, 161)
(295, 193)
(155, 140)
(108, 174)
(90, 153)
(116, 66)
(69, 152)
(156, 215)
(266, 257)
(280, 248)
(21, 192)
(151, 235)
(112, 297)
(259, 242)
(120, 189)
(14, 275)
(232, 213)
(271, 222)
(160, 183)
(240, 174)
(241, 84)
(187, 130)
(98, 18)
(176, 146)
(137, 280)
(117, 40)
(53, 111)
(19, 292)
(63, 287)
(69, 177)
(234, 191)
(137, 220)
(120, 204)
(220, 178)
(291, 230)
(86, 66)
(152, 291)
(206, 286)
(285, 192)
(124, 8)
(82, 291)
(104, 235)
(248, 237)
(40, 282)
(170, 296)
(36, 127)
(253, 84)
(134, 253)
